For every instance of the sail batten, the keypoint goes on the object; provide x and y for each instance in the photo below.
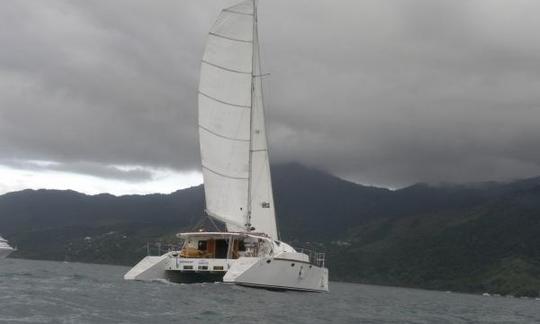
(231, 38)
(221, 101)
(223, 136)
(224, 175)
(226, 68)
(238, 12)
(234, 150)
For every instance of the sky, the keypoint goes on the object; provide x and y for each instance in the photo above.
(101, 96)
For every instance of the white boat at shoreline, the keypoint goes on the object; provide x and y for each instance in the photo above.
(5, 248)
(237, 182)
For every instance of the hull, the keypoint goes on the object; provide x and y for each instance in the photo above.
(256, 272)
(245, 259)
(281, 274)
(5, 252)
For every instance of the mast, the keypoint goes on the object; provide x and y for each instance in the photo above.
(250, 170)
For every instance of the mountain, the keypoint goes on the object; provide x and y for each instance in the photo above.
(487, 241)
(481, 237)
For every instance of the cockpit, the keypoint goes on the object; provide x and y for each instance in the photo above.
(224, 246)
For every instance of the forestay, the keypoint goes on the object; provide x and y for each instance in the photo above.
(232, 133)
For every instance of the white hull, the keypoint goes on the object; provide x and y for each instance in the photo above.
(276, 273)
(5, 252)
(269, 272)
(150, 268)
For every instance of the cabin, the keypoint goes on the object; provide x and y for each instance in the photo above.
(211, 245)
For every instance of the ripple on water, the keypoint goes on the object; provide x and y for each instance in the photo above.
(55, 292)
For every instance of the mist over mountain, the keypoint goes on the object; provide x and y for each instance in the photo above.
(470, 237)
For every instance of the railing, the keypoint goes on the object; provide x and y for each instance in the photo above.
(159, 248)
(315, 258)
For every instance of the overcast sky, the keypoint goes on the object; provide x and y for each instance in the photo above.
(100, 96)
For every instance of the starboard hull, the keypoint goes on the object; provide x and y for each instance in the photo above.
(281, 274)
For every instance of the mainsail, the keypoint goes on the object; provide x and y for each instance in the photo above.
(234, 149)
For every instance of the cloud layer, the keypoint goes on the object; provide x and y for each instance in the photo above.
(382, 92)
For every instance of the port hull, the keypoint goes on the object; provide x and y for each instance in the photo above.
(5, 252)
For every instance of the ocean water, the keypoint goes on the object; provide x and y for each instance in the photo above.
(57, 292)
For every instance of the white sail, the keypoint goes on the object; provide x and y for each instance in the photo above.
(231, 125)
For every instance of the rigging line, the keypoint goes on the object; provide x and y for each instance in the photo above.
(237, 12)
(225, 220)
(224, 68)
(198, 224)
(223, 102)
(224, 175)
(212, 221)
(231, 38)
(223, 136)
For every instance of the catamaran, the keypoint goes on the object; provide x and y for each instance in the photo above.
(236, 173)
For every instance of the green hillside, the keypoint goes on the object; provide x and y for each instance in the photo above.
(474, 238)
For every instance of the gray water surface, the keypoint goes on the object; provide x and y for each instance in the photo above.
(56, 292)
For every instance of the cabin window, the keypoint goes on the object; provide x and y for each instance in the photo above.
(203, 267)
(186, 267)
(202, 246)
(218, 268)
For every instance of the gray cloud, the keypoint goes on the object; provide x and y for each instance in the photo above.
(125, 173)
(383, 92)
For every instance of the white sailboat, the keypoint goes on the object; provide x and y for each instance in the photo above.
(236, 171)
(5, 248)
